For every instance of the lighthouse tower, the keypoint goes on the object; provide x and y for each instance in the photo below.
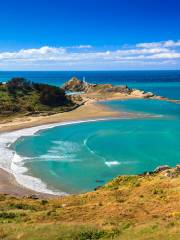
(85, 83)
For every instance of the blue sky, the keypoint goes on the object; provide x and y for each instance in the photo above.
(89, 34)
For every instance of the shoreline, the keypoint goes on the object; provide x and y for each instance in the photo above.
(89, 111)
(9, 186)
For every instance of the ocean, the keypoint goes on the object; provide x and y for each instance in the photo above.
(165, 83)
(77, 157)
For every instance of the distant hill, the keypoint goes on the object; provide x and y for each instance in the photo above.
(22, 96)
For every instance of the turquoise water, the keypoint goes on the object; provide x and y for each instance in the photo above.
(79, 157)
(147, 106)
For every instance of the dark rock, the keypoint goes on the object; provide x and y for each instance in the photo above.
(99, 181)
(173, 172)
(96, 188)
(161, 168)
(177, 168)
(148, 95)
(33, 196)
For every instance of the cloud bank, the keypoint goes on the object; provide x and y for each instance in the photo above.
(165, 54)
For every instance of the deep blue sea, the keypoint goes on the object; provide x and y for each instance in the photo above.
(166, 83)
(78, 157)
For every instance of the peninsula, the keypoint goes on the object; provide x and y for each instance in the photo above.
(27, 104)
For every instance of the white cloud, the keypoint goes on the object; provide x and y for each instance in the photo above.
(80, 47)
(84, 46)
(169, 43)
(149, 45)
(34, 53)
(165, 56)
(155, 53)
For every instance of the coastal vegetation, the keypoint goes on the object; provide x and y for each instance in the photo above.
(129, 207)
(22, 96)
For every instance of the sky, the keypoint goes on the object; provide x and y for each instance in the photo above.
(89, 34)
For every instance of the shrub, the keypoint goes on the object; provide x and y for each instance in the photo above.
(52, 96)
(21, 95)
(90, 235)
(23, 206)
(44, 202)
(7, 215)
(16, 84)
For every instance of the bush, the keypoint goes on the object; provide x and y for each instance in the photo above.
(16, 84)
(52, 96)
(23, 206)
(86, 234)
(44, 202)
(21, 95)
(7, 215)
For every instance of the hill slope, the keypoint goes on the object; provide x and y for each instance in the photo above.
(129, 207)
(22, 96)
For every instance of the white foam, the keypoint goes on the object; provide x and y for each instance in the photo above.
(13, 163)
(90, 150)
(65, 146)
(113, 163)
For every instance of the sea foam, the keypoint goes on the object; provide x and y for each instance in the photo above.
(112, 163)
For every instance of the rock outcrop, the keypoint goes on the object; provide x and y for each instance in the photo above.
(103, 90)
(141, 94)
(172, 172)
(161, 168)
(76, 85)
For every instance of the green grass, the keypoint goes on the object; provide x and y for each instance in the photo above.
(64, 232)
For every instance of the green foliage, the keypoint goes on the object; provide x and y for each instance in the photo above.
(7, 215)
(130, 181)
(87, 233)
(22, 206)
(20, 96)
(52, 96)
(90, 234)
(19, 86)
(44, 202)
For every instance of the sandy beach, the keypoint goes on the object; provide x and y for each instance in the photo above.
(9, 185)
(90, 110)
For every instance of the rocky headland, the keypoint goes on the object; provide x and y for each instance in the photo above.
(103, 91)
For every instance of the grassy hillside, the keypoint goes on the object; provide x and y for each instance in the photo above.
(19, 96)
(129, 207)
